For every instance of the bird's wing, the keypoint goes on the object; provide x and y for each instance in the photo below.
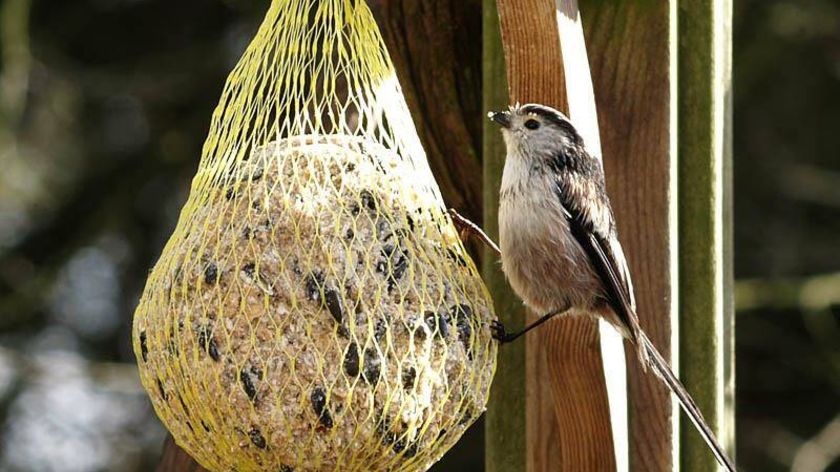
(593, 226)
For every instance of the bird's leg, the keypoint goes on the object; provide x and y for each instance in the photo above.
(500, 334)
(468, 228)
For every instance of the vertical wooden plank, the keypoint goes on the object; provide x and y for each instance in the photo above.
(705, 301)
(568, 422)
(505, 434)
(433, 47)
(631, 52)
(584, 113)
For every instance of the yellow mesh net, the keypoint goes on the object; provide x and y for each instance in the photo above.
(314, 308)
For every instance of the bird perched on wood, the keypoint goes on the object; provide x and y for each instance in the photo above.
(558, 240)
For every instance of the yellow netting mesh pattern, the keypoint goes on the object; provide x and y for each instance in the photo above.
(314, 308)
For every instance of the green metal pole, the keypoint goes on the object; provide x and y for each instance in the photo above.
(705, 222)
(505, 436)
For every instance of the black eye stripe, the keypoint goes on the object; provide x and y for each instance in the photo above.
(532, 124)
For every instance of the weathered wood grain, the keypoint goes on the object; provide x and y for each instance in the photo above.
(568, 426)
(436, 49)
(631, 52)
(631, 55)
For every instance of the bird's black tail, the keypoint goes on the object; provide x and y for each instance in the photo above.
(664, 371)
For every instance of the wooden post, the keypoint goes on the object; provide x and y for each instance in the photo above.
(632, 52)
(705, 221)
(567, 411)
(632, 49)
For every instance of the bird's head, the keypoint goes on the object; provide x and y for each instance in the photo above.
(537, 132)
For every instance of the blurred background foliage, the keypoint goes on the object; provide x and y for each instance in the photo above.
(787, 233)
(104, 106)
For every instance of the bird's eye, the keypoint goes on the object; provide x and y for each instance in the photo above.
(532, 124)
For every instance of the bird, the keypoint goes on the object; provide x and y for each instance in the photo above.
(559, 243)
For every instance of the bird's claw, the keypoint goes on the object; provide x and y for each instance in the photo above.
(498, 331)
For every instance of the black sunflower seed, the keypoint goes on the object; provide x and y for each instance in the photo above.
(384, 430)
(163, 393)
(466, 417)
(438, 324)
(203, 333)
(257, 438)
(326, 419)
(183, 405)
(380, 329)
(318, 397)
(334, 305)
(399, 445)
(250, 377)
(207, 342)
(211, 273)
(314, 282)
(456, 257)
(399, 270)
(144, 349)
(408, 378)
(213, 350)
(372, 367)
(368, 200)
(351, 360)
(403, 445)
(411, 450)
(463, 316)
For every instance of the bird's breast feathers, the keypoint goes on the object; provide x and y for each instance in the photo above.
(541, 258)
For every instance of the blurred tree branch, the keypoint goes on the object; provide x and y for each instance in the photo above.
(788, 449)
(101, 191)
(813, 296)
(22, 288)
(811, 184)
(814, 292)
(820, 451)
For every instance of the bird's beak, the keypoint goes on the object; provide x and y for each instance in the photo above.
(500, 117)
